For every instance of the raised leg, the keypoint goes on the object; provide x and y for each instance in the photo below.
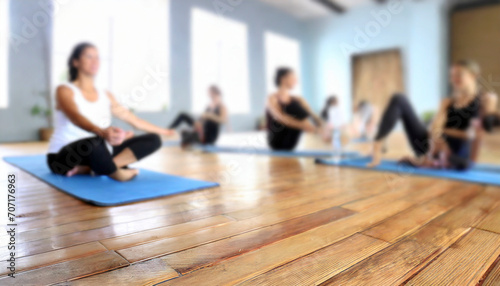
(400, 109)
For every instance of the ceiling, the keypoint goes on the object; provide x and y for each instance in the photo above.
(310, 9)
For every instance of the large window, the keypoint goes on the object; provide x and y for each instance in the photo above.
(219, 55)
(4, 53)
(132, 37)
(281, 51)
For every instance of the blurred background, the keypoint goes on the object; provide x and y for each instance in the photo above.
(159, 56)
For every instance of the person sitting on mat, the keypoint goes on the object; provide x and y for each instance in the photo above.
(332, 114)
(206, 129)
(365, 121)
(453, 139)
(287, 115)
(83, 139)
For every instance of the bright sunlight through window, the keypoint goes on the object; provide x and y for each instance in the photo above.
(133, 41)
(4, 53)
(281, 51)
(219, 54)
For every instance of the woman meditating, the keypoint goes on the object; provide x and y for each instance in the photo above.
(454, 138)
(83, 139)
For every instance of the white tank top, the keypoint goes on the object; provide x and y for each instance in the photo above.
(97, 112)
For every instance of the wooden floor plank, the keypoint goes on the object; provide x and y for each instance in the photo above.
(146, 236)
(176, 244)
(492, 221)
(339, 196)
(406, 222)
(69, 270)
(464, 263)
(91, 213)
(493, 277)
(96, 223)
(209, 254)
(53, 257)
(399, 262)
(146, 273)
(267, 258)
(322, 264)
(57, 242)
(429, 185)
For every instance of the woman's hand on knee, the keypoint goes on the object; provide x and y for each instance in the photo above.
(129, 135)
(114, 135)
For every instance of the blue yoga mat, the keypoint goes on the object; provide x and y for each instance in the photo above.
(361, 140)
(268, 152)
(103, 191)
(480, 174)
(171, 143)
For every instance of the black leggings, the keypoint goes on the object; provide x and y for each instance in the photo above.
(416, 131)
(210, 128)
(183, 117)
(284, 140)
(93, 152)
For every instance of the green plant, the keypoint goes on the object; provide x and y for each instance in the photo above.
(428, 116)
(43, 110)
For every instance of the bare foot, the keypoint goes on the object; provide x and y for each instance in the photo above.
(124, 175)
(377, 155)
(374, 163)
(78, 170)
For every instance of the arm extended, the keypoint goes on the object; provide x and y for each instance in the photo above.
(120, 112)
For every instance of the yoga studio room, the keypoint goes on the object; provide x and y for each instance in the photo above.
(250, 142)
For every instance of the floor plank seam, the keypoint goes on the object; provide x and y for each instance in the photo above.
(364, 234)
(319, 250)
(440, 251)
(231, 236)
(129, 263)
(100, 243)
(487, 273)
(229, 217)
(487, 230)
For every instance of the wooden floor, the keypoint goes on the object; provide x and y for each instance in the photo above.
(273, 221)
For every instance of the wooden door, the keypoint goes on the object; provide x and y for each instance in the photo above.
(475, 35)
(377, 76)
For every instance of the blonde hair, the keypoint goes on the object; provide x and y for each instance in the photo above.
(470, 65)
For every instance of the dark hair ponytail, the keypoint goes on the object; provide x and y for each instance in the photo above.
(75, 55)
(216, 90)
(329, 101)
(280, 74)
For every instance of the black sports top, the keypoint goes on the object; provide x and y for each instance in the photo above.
(210, 127)
(281, 137)
(460, 119)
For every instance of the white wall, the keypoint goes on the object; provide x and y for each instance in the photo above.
(417, 28)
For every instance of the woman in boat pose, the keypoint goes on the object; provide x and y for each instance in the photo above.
(287, 115)
(453, 140)
(206, 129)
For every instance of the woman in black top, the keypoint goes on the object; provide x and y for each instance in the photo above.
(453, 139)
(206, 129)
(287, 115)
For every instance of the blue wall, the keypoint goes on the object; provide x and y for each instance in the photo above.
(28, 66)
(27, 72)
(418, 29)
